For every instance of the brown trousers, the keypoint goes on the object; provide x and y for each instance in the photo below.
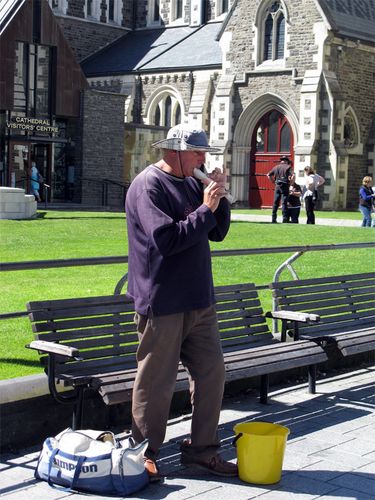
(193, 338)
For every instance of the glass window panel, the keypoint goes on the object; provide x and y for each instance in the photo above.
(225, 6)
(111, 10)
(20, 77)
(260, 138)
(31, 89)
(268, 28)
(179, 9)
(43, 81)
(157, 116)
(177, 115)
(285, 138)
(156, 10)
(89, 7)
(273, 131)
(280, 37)
(168, 112)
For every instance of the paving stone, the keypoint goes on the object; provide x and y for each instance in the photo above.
(294, 483)
(341, 425)
(308, 446)
(357, 446)
(346, 494)
(323, 470)
(331, 436)
(295, 461)
(368, 431)
(39, 491)
(357, 482)
(348, 459)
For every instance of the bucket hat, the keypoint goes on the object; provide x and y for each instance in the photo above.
(185, 138)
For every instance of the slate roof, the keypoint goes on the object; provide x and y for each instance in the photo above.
(175, 48)
(351, 18)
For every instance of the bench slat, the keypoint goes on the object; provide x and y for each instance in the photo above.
(329, 288)
(77, 312)
(354, 295)
(110, 319)
(350, 278)
(328, 300)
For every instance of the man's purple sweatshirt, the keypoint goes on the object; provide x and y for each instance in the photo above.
(169, 229)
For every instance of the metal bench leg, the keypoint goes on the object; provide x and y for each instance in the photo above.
(264, 383)
(78, 410)
(312, 379)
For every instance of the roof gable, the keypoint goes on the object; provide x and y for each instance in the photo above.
(351, 18)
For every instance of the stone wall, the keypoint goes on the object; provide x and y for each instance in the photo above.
(182, 82)
(87, 37)
(165, 11)
(103, 147)
(355, 74)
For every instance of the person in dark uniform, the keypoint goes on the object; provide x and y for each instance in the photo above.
(280, 176)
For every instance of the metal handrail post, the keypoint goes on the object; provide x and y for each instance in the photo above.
(285, 265)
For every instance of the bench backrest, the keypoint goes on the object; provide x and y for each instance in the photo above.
(343, 302)
(103, 330)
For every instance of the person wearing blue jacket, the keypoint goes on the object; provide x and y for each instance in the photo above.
(366, 200)
(171, 217)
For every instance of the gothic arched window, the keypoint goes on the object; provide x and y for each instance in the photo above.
(153, 9)
(350, 130)
(274, 33)
(164, 110)
(271, 21)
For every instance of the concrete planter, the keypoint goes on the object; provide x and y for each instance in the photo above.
(15, 204)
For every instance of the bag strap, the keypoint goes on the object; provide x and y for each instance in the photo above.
(50, 464)
(77, 471)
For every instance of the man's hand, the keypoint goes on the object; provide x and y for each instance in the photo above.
(215, 189)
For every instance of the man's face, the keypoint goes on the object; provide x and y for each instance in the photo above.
(191, 160)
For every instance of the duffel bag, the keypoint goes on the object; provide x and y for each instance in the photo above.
(92, 461)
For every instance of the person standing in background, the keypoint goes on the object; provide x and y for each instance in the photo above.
(294, 200)
(279, 176)
(310, 197)
(35, 180)
(366, 200)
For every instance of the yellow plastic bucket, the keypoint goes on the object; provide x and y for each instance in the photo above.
(260, 451)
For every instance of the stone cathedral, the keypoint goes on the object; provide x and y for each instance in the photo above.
(264, 78)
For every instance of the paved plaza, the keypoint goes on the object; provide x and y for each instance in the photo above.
(249, 217)
(330, 452)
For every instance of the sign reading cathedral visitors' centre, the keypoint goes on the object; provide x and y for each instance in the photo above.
(32, 125)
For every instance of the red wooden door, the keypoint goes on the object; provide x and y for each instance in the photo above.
(272, 138)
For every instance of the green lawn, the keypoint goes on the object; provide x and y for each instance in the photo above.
(57, 235)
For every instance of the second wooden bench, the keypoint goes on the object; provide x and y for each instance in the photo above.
(334, 310)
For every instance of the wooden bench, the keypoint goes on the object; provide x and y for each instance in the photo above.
(338, 310)
(91, 343)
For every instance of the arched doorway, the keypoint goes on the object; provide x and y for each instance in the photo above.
(272, 138)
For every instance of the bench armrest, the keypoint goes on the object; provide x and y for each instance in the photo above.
(54, 348)
(294, 316)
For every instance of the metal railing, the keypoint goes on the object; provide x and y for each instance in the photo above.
(105, 186)
(123, 259)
